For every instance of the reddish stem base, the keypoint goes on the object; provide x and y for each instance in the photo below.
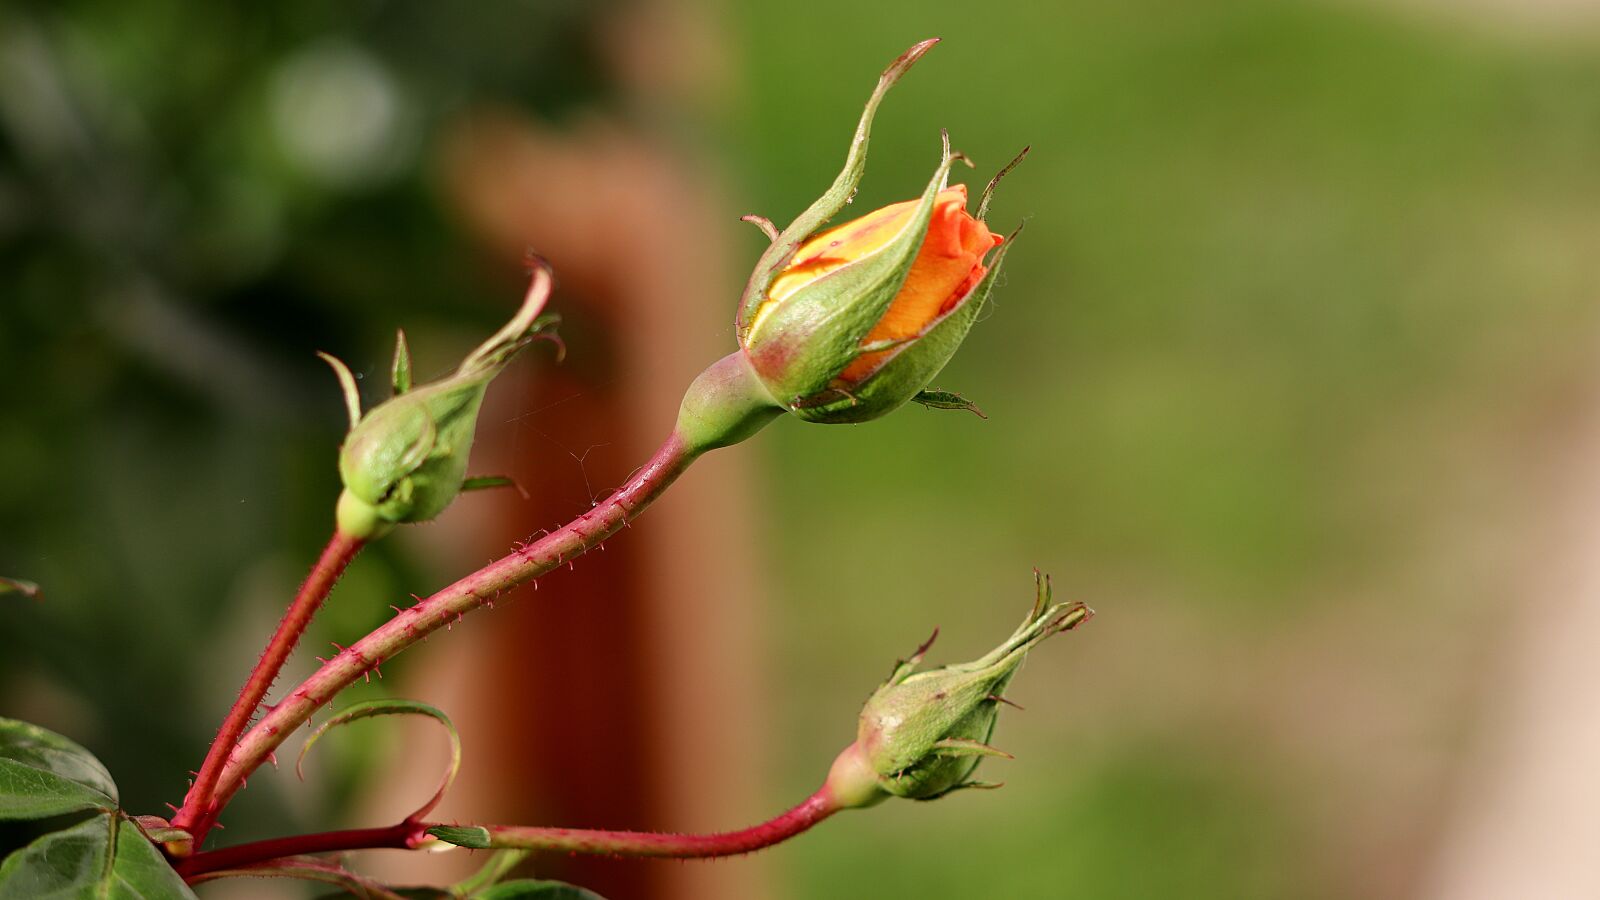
(410, 834)
(200, 805)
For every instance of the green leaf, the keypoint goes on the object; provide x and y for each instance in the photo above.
(471, 837)
(372, 708)
(541, 890)
(103, 857)
(43, 774)
(947, 400)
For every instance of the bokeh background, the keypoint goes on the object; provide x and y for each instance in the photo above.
(1292, 377)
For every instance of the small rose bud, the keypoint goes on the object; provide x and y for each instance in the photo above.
(921, 734)
(405, 460)
(851, 323)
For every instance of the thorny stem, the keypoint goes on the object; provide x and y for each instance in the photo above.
(450, 604)
(406, 835)
(814, 809)
(410, 834)
(201, 804)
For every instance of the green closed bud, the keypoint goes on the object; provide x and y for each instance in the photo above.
(921, 734)
(405, 460)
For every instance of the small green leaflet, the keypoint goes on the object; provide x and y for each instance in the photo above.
(947, 400)
(471, 837)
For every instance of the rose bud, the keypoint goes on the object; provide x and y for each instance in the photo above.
(847, 324)
(921, 734)
(806, 342)
(405, 460)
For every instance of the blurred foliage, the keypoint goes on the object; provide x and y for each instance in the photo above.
(193, 200)
(1293, 273)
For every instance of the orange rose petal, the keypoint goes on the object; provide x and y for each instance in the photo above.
(948, 264)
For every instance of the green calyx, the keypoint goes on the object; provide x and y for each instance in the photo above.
(923, 733)
(405, 460)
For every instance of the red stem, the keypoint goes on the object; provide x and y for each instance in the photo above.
(409, 834)
(401, 837)
(817, 807)
(449, 605)
(201, 805)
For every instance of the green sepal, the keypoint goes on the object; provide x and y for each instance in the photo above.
(955, 746)
(347, 387)
(785, 243)
(965, 786)
(400, 372)
(904, 668)
(947, 400)
(811, 335)
(487, 482)
(906, 370)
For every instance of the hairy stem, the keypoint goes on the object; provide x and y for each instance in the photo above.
(410, 834)
(200, 805)
(403, 836)
(448, 605)
(817, 807)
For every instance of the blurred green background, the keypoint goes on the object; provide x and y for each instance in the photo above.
(1304, 305)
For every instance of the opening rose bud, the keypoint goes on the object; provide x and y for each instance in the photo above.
(850, 323)
(948, 266)
(902, 285)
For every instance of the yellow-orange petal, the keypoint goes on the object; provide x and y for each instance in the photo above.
(948, 264)
(853, 240)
